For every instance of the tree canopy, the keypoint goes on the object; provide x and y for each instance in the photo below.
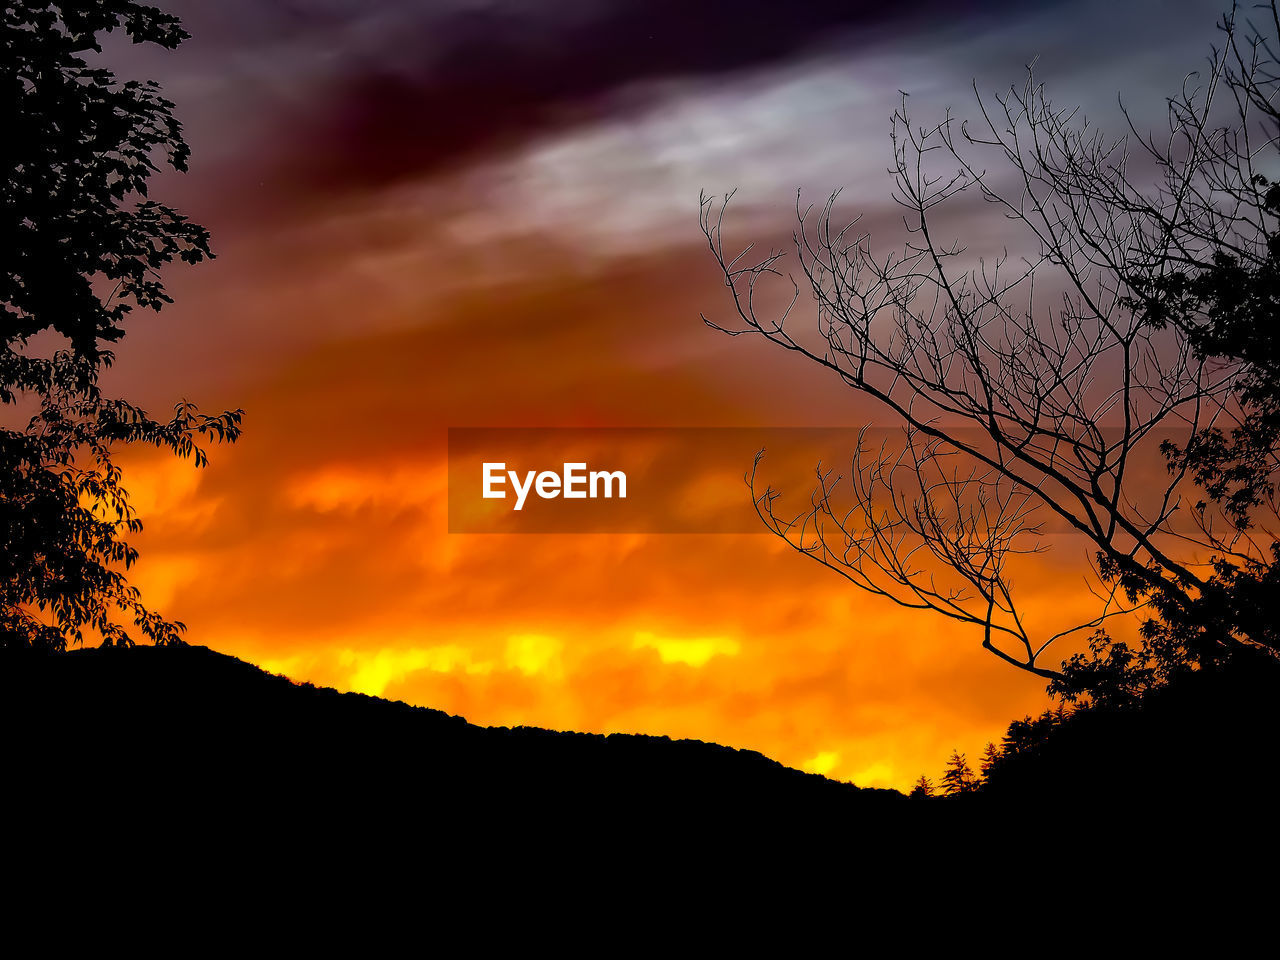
(83, 246)
(1135, 325)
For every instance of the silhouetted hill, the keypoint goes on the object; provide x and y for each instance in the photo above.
(184, 745)
(188, 726)
(178, 776)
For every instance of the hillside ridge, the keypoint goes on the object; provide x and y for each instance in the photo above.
(212, 721)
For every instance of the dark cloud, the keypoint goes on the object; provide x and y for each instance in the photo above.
(420, 92)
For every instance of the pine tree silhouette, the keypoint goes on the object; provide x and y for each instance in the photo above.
(923, 787)
(990, 757)
(959, 776)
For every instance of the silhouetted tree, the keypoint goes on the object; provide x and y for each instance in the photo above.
(958, 777)
(1014, 414)
(923, 787)
(990, 757)
(1221, 292)
(82, 246)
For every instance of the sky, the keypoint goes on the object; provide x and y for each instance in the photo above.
(465, 214)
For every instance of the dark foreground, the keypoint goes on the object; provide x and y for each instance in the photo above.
(178, 746)
(189, 725)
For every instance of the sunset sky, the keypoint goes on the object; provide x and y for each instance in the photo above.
(459, 214)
